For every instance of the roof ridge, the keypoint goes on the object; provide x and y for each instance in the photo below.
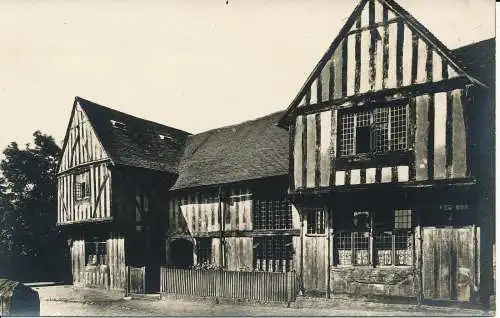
(276, 113)
(129, 115)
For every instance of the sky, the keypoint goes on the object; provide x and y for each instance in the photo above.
(193, 64)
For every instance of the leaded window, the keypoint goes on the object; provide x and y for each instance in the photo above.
(379, 130)
(272, 214)
(273, 253)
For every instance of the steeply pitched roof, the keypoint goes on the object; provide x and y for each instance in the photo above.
(479, 60)
(408, 19)
(138, 142)
(250, 150)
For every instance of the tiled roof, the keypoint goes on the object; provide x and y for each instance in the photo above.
(133, 141)
(251, 150)
(479, 60)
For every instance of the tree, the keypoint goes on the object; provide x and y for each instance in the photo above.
(28, 190)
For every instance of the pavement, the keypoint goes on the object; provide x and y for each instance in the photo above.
(66, 300)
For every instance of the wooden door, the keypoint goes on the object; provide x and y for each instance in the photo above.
(450, 270)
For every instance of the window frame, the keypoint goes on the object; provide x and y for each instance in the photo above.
(272, 215)
(80, 194)
(206, 248)
(101, 254)
(309, 213)
(281, 245)
(371, 110)
(345, 240)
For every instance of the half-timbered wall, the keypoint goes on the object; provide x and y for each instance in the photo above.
(382, 62)
(83, 154)
(96, 206)
(198, 214)
(108, 275)
(380, 51)
(82, 145)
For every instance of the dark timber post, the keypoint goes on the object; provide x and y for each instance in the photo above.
(486, 254)
(221, 232)
(419, 260)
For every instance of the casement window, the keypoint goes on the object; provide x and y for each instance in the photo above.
(273, 253)
(392, 241)
(81, 185)
(315, 221)
(353, 247)
(272, 215)
(394, 247)
(378, 130)
(95, 253)
(204, 250)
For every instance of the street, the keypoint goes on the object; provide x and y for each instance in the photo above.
(64, 300)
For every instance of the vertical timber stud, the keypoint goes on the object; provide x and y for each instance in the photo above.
(221, 230)
(431, 118)
(399, 53)
(373, 42)
(304, 151)
(385, 58)
(357, 57)
(317, 169)
(291, 168)
(411, 138)
(344, 67)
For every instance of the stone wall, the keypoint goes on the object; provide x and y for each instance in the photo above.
(369, 281)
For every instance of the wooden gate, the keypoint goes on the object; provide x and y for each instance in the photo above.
(136, 280)
(450, 263)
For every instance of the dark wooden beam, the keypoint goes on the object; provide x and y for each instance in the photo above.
(357, 57)
(399, 53)
(317, 154)
(374, 25)
(385, 96)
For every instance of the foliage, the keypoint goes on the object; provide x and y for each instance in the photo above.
(28, 190)
(206, 266)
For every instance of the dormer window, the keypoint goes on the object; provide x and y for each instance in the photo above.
(118, 124)
(166, 137)
(378, 130)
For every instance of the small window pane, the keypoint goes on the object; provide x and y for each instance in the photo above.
(343, 245)
(383, 244)
(361, 252)
(402, 219)
(316, 221)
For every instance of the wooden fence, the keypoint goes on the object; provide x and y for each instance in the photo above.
(263, 286)
(97, 276)
(136, 280)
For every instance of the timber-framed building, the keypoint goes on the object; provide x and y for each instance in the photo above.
(112, 177)
(378, 179)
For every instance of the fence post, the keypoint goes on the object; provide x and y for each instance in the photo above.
(289, 287)
(127, 281)
(143, 270)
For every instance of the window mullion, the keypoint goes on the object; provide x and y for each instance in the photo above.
(389, 128)
(393, 252)
(353, 256)
(355, 125)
